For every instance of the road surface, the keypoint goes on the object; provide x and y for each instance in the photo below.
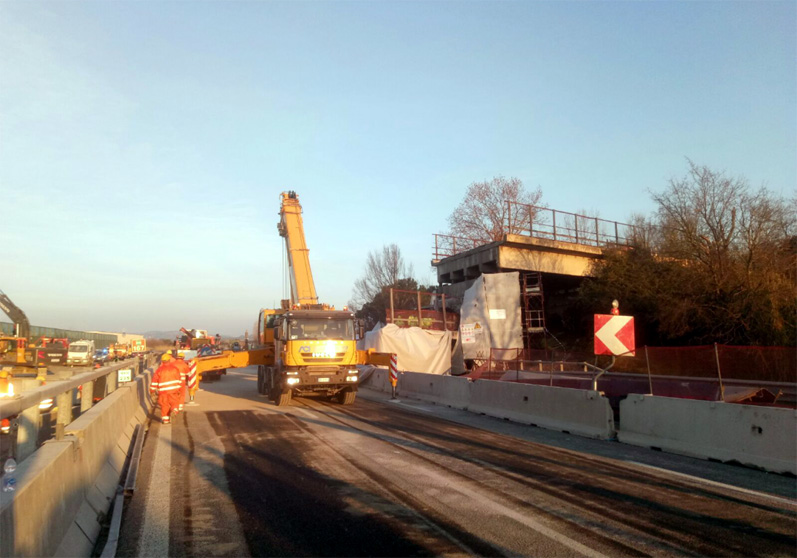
(238, 476)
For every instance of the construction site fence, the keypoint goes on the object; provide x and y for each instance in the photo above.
(101, 340)
(760, 363)
(420, 309)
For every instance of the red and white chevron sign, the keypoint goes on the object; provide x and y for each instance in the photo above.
(614, 335)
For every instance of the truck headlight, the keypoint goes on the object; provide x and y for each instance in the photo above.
(292, 381)
(351, 378)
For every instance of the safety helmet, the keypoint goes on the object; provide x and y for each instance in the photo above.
(166, 357)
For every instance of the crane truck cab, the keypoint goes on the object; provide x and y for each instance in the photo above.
(315, 353)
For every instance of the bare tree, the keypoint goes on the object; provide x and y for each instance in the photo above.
(382, 269)
(485, 213)
(731, 232)
(715, 264)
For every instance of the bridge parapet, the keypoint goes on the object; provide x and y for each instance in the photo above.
(543, 223)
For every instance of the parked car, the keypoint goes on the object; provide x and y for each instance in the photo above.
(101, 356)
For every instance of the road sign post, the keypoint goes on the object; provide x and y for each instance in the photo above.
(393, 374)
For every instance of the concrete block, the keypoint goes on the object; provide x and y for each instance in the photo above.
(74, 543)
(378, 379)
(118, 455)
(106, 482)
(582, 412)
(764, 437)
(129, 429)
(97, 500)
(88, 522)
(443, 390)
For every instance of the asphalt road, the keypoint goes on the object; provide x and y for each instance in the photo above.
(238, 476)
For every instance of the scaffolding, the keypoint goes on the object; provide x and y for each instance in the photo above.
(533, 305)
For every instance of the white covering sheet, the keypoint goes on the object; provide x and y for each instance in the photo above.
(490, 316)
(418, 350)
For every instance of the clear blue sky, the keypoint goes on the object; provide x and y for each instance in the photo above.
(143, 145)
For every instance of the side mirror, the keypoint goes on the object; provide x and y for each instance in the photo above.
(361, 327)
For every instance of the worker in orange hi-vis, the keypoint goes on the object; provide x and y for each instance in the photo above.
(184, 371)
(166, 384)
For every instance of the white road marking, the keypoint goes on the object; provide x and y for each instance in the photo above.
(155, 534)
(790, 503)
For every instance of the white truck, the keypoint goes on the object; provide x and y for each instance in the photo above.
(80, 353)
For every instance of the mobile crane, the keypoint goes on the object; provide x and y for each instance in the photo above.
(302, 347)
(314, 344)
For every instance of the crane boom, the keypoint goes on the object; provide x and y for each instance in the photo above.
(291, 228)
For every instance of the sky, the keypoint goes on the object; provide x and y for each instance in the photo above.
(144, 144)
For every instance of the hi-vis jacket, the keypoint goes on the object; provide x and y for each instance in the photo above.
(166, 378)
(184, 368)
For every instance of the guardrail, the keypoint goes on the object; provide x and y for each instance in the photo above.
(542, 222)
(26, 409)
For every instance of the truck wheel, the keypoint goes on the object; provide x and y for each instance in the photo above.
(268, 384)
(283, 398)
(346, 397)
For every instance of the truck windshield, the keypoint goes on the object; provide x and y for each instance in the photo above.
(321, 329)
(78, 348)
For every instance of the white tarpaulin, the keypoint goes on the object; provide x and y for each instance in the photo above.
(368, 341)
(418, 350)
(490, 315)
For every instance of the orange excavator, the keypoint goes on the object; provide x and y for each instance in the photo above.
(12, 347)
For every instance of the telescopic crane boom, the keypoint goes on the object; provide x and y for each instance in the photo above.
(291, 228)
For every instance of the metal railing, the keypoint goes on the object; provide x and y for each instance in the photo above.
(27, 410)
(446, 245)
(542, 222)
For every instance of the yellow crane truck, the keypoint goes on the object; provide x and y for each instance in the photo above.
(303, 347)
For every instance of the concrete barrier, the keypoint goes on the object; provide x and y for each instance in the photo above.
(583, 412)
(65, 488)
(764, 437)
(374, 378)
(443, 390)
